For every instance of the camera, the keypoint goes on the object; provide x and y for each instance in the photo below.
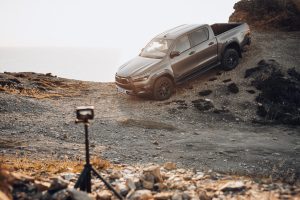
(85, 113)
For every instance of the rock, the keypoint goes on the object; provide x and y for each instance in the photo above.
(219, 73)
(190, 195)
(205, 92)
(233, 186)
(14, 80)
(104, 195)
(233, 88)
(148, 184)
(177, 196)
(68, 176)
(59, 195)
(22, 177)
(115, 175)
(203, 104)
(131, 184)
(204, 196)
(3, 196)
(170, 166)
(293, 73)
(198, 176)
(250, 91)
(122, 189)
(78, 195)
(159, 187)
(57, 184)
(141, 195)
(227, 80)
(152, 173)
(42, 186)
(212, 79)
(163, 196)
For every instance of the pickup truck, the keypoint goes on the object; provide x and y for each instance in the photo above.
(180, 54)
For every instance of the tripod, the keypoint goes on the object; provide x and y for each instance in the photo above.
(84, 180)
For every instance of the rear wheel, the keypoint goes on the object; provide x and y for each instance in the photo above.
(230, 59)
(163, 88)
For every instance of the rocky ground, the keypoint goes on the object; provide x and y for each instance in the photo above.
(150, 182)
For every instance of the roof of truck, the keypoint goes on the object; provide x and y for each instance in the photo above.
(178, 31)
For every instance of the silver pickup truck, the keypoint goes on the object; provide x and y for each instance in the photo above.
(180, 54)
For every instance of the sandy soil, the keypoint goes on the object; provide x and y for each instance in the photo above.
(136, 130)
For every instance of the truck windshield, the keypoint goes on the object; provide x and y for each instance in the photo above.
(157, 48)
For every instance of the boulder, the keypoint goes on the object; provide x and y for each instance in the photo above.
(57, 184)
(170, 166)
(152, 174)
(233, 88)
(203, 104)
(233, 186)
(104, 195)
(141, 195)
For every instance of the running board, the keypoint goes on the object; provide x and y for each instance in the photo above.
(195, 74)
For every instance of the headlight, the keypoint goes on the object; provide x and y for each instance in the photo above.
(140, 78)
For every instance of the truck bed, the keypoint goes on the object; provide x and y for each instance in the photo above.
(223, 27)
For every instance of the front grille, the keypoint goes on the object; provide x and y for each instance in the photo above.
(122, 80)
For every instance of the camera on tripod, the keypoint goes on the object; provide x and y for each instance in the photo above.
(84, 113)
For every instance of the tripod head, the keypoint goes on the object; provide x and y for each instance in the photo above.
(84, 114)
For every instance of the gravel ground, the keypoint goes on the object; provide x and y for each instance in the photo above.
(134, 130)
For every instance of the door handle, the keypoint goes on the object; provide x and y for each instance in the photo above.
(211, 43)
(192, 52)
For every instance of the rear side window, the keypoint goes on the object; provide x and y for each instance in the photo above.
(198, 36)
(182, 44)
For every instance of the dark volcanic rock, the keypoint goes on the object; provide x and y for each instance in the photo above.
(280, 94)
(203, 104)
(227, 80)
(251, 91)
(293, 73)
(205, 92)
(212, 79)
(233, 88)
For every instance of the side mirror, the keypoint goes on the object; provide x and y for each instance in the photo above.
(174, 54)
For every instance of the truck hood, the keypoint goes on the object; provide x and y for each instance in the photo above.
(137, 66)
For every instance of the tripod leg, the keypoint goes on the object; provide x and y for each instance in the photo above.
(80, 179)
(84, 180)
(107, 184)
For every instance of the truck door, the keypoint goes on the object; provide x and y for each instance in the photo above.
(204, 50)
(181, 64)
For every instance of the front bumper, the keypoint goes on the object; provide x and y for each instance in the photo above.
(128, 86)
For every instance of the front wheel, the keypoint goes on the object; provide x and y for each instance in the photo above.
(230, 59)
(163, 88)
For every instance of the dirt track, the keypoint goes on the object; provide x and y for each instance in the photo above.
(134, 130)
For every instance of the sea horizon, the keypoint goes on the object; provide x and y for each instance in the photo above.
(80, 63)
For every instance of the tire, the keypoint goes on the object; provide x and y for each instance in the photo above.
(163, 88)
(230, 59)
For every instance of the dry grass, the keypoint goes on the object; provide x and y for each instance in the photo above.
(56, 91)
(45, 167)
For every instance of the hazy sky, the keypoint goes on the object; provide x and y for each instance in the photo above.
(124, 25)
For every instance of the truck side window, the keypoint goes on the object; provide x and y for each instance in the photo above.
(198, 36)
(182, 44)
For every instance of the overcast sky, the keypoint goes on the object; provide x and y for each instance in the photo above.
(123, 25)
(109, 23)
